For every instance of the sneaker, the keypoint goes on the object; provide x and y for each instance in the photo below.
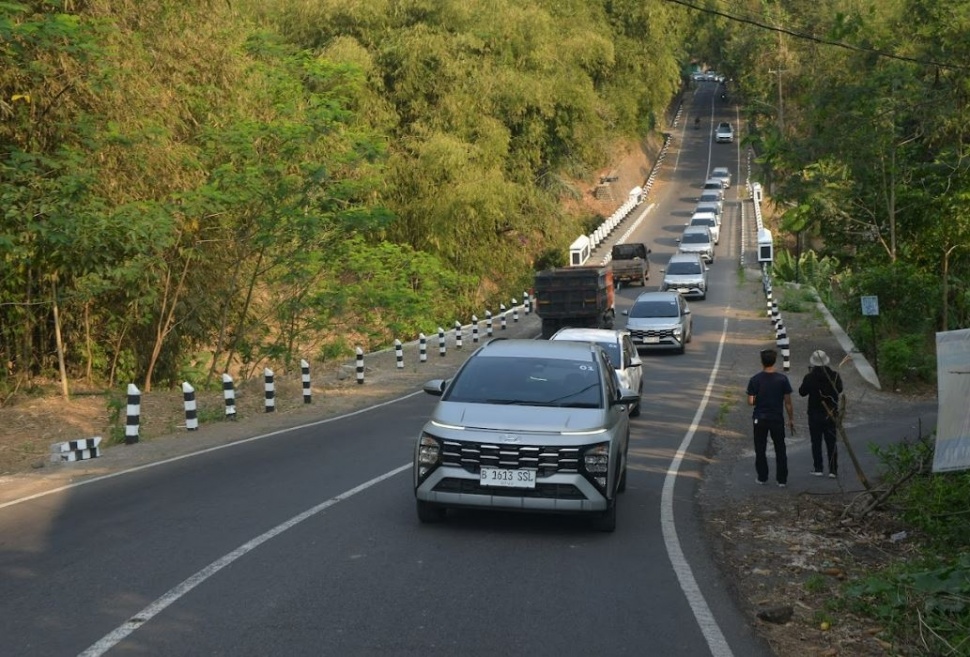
(817, 473)
(781, 485)
(761, 483)
(832, 475)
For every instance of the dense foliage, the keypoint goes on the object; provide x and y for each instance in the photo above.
(860, 117)
(192, 182)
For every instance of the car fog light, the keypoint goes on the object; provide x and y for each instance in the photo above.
(600, 481)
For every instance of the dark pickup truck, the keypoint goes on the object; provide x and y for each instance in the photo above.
(629, 263)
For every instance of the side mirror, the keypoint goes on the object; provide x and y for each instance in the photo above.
(625, 313)
(435, 387)
(677, 240)
(663, 270)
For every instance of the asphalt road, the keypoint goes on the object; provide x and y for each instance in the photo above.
(308, 543)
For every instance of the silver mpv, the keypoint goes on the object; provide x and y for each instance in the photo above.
(526, 425)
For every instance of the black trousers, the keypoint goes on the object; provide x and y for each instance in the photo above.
(822, 429)
(775, 429)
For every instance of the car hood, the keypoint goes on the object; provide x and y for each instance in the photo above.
(695, 248)
(675, 279)
(520, 419)
(656, 323)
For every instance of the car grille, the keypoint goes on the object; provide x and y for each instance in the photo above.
(546, 491)
(651, 333)
(471, 456)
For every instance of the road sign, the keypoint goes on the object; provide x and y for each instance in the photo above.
(870, 306)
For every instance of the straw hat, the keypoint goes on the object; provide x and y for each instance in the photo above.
(818, 359)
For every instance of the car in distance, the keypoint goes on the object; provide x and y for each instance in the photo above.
(712, 196)
(697, 239)
(526, 425)
(724, 133)
(619, 349)
(685, 274)
(709, 221)
(660, 320)
(723, 174)
(710, 206)
(713, 183)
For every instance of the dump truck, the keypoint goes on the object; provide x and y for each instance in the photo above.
(574, 297)
(629, 263)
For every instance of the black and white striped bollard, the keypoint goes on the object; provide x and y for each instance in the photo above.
(527, 302)
(399, 354)
(422, 348)
(458, 343)
(360, 366)
(229, 396)
(488, 323)
(441, 342)
(775, 313)
(305, 379)
(132, 414)
(191, 410)
(474, 329)
(784, 345)
(502, 322)
(515, 311)
(269, 390)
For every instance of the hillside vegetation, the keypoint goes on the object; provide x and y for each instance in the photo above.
(211, 184)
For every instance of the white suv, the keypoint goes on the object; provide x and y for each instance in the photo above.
(724, 133)
(697, 239)
(621, 352)
(685, 274)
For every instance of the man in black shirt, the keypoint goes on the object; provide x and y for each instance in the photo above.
(823, 387)
(770, 394)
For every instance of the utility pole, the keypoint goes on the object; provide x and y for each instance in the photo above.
(781, 101)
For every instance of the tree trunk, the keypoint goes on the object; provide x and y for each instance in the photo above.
(65, 391)
(166, 318)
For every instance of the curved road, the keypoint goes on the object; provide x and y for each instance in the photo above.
(308, 543)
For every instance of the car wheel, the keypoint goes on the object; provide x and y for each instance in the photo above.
(429, 513)
(605, 521)
(635, 411)
(683, 347)
(621, 485)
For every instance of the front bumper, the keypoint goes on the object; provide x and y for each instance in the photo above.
(555, 493)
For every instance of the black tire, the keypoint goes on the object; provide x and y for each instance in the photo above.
(683, 347)
(621, 486)
(635, 411)
(430, 513)
(605, 521)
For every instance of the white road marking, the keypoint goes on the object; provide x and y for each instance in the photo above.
(702, 612)
(235, 443)
(117, 635)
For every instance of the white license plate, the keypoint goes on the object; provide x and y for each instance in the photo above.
(683, 290)
(650, 339)
(507, 478)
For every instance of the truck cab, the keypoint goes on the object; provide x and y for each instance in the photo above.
(630, 263)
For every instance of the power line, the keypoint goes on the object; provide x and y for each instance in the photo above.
(809, 37)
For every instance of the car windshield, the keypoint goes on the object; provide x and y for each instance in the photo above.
(612, 350)
(528, 382)
(655, 309)
(710, 197)
(683, 268)
(694, 238)
(702, 221)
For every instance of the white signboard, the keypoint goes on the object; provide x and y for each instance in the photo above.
(953, 386)
(870, 306)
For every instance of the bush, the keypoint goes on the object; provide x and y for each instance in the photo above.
(907, 358)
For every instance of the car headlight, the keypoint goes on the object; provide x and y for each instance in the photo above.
(678, 330)
(429, 455)
(596, 460)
